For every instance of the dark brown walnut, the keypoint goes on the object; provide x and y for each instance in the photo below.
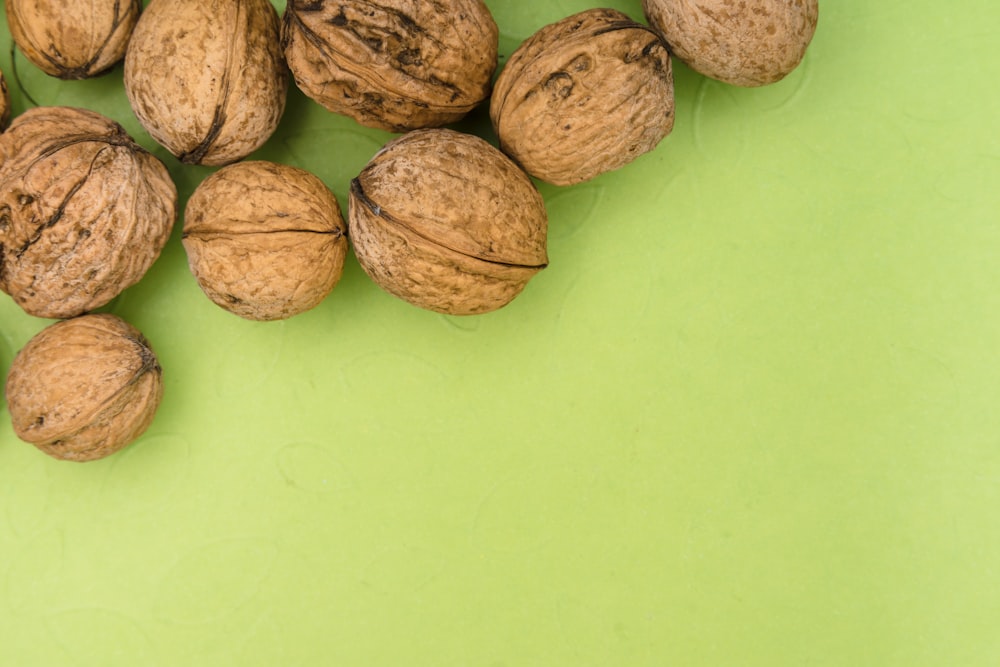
(84, 388)
(4, 103)
(584, 96)
(206, 78)
(392, 64)
(741, 42)
(445, 221)
(265, 241)
(84, 211)
(71, 39)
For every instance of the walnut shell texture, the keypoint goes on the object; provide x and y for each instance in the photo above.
(584, 96)
(265, 241)
(741, 42)
(395, 65)
(4, 103)
(84, 211)
(446, 222)
(84, 388)
(206, 78)
(70, 39)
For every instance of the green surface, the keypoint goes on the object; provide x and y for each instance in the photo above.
(748, 416)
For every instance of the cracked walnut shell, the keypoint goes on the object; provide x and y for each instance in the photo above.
(70, 39)
(265, 241)
(206, 78)
(395, 65)
(84, 211)
(84, 388)
(584, 96)
(741, 42)
(446, 222)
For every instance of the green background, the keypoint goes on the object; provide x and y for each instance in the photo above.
(747, 416)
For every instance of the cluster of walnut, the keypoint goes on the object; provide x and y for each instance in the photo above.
(439, 218)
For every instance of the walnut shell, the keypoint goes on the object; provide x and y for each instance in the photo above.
(265, 241)
(584, 96)
(84, 388)
(206, 78)
(447, 222)
(4, 103)
(70, 39)
(746, 43)
(84, 211)
(392, 64)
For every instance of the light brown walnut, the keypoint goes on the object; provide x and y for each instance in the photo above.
(84, 388)
(265, 241)
(446, 222)
(84, 211)
(71, 39)
(206, 78)
(392, 64)
(584, 96)
(742, 42)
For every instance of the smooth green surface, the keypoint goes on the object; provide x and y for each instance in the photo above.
(748, 416)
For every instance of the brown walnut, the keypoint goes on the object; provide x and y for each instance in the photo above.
(71, 39)
(84, 388)
(84, 211)
(392, 64)
(265, 241)
(206, 78)
(584, 96)
(4, 103)
(741, 42)
(447, 222)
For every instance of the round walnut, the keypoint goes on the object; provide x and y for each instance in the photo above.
(392, 64)
(265, 241)
(584, 96)
(84, 388)
(746, 43)
(447, 222)
(84, 211)
(71, 39)
(206, 78)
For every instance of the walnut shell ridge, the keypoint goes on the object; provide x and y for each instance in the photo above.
(741, 42)
(70, 39)
(395, 65)
(265, 241)
(583, 96)
(206, 78)
(84, 388)
(84, 211)
(446, 222)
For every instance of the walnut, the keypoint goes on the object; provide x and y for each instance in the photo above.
(447, 222)
(392, 64)
(84, 388)
(4, 104)
(207, 79)
(583, 96)
(746, 43)
(265, 241)
(84, 211)
(70, 39)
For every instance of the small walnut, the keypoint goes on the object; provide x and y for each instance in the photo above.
(265, 241)
(4, 104)
(447, 222)
(746, 43)
(70, 39)
(584, 96)
(84, 388)
(392, 64)
(84, 211)
(207, 79)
